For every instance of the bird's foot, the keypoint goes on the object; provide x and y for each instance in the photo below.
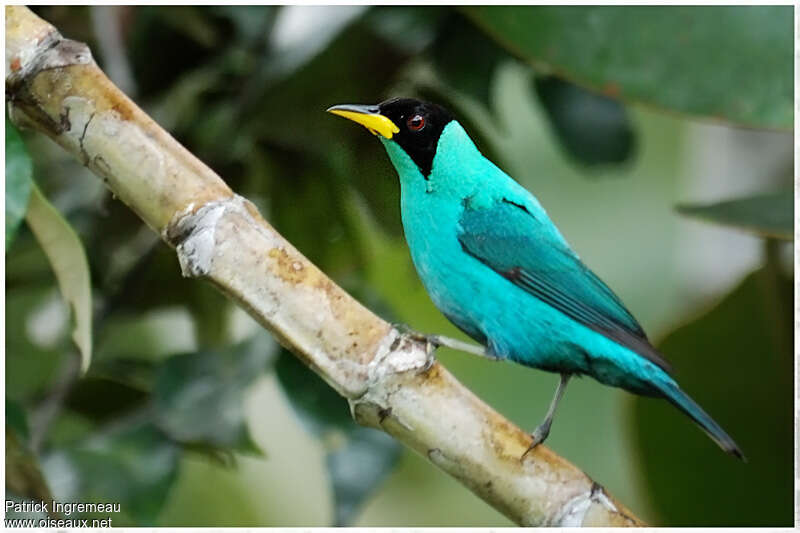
(431, 341)
(407, 331)
(435, 341)
(538, 436)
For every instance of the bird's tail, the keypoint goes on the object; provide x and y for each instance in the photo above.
(682, 401)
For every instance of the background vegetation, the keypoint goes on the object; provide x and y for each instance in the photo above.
(613, 116)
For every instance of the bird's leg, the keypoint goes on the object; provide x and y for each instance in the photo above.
(434, 341)
(474, 349)
(542, 430)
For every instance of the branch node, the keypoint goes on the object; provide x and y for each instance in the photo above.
(51, 52)
(398, 353)
(574, 512)
(192, 232)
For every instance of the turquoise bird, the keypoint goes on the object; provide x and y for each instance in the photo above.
(498, 268)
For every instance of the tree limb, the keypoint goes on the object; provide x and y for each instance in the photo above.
(54, 86)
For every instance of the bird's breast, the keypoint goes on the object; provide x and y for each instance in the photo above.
(447, 272)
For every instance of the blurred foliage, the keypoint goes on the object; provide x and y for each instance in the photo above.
(702, 52)
(163, 422)
(18, 181)
(23, 475)
(748, 351)
(358, 458)
(190, 386)
(594, 128)
(133, 465)
(768, 215)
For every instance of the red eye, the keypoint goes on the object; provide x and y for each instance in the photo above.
(416, 123)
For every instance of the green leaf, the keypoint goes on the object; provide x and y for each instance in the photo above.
(737, 362)
(68, 260)
(466, 58)
(104, 400)
(16, 419)
(359, 458)
(19, 170)
(199, 397)
(725, 62)
(768, 215)
(593, 128)
(134, 466)
(357, 467)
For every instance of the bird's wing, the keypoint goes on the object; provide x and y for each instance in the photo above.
(523, 246)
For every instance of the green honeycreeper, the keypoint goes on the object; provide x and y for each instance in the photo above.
(498, 268)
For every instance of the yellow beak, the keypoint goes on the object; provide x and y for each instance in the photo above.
(368, 116)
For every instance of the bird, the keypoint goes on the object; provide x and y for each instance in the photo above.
(498, 268)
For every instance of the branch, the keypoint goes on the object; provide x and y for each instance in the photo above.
(55, 87)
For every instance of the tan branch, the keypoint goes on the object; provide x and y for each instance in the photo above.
(54, 86)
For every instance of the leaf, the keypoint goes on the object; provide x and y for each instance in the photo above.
(357, 467)
(737, 362)
(199, 397)
(359, 458)
(68, 260)
(726, 62)
(466, 58)
(768, 215)
(133, 466)
(593, 128)
(19, 170)
(103, 400)
(16, 419)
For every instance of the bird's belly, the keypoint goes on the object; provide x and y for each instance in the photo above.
(513, 323)
(517, 326)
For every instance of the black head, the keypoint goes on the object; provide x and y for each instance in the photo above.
(420, 124)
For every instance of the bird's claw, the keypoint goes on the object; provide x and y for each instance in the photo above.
(537, 437)
(431, 342)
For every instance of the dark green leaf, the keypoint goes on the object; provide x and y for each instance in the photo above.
(359, 458)
(103, 400)
(737, 362)
(19, 170)
(358, 467)
(466, 58)
(134, 466)
(726, 62)
(768, 215)
(199, 397)
(16, 419)
(182, 37)
(593, 128)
